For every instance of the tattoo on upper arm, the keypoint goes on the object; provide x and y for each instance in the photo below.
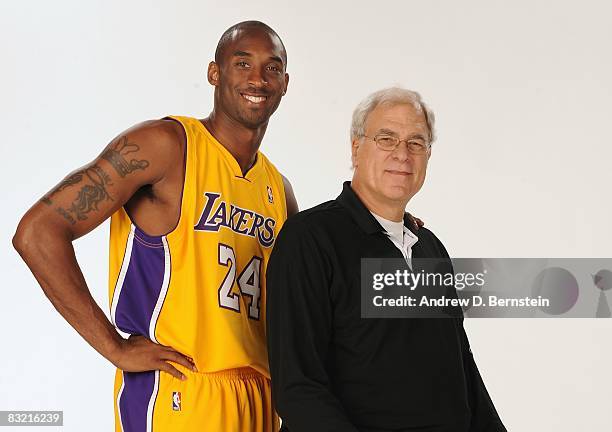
(69, 181)
(65, 215)
(89, 196)
(116, 155)
(95, 181)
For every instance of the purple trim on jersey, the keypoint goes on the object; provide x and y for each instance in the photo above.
(138, 388)
(142, 284)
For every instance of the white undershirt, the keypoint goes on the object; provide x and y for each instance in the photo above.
(401, 236)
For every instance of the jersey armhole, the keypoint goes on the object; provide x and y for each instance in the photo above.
(186, 172)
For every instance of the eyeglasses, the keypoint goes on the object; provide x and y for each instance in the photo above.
(389, 143)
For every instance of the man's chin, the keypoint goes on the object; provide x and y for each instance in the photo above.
(398, 193)
(253, 121)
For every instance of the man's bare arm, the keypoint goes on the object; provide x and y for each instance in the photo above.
(79, 203)
(292, 205)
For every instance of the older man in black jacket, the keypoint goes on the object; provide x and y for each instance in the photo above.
(333, 370)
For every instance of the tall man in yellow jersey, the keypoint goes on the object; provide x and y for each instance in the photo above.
(195, 209)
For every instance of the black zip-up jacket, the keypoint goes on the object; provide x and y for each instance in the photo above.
(334, 371)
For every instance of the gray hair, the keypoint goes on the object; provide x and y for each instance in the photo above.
(390, 96)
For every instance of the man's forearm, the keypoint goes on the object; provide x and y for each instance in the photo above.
(51, 258)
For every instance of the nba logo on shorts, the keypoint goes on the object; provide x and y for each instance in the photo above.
(176, 401)
(270, 196)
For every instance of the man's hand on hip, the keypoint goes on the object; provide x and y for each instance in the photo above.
(139, 354)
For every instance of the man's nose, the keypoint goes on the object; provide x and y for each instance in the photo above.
(401, 153)
(257, 78)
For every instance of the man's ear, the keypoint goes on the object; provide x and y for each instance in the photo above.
(286, 84)
(213, 73)
(354, 149)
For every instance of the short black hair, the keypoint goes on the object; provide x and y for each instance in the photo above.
(227, 36)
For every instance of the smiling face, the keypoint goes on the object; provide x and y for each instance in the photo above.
(250, 77)
(390, 178)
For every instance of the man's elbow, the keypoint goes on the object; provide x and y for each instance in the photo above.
(22, 240)
(28, 238)
(31, 234)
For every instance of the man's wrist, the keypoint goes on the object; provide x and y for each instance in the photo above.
(114, 349)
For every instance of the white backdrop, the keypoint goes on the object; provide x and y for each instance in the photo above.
(521, 168)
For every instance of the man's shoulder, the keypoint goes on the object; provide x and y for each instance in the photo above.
(160, 137)
(323, 215)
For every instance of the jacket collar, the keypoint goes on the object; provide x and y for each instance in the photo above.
(360, 213)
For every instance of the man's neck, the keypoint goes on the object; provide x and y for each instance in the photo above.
(240, 141)
(387, 209)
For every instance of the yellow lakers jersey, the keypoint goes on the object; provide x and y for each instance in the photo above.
(201, 288)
